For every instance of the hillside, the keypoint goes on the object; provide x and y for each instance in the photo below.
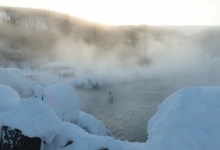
(45, 35)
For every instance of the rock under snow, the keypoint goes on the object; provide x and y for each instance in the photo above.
(14, 78)
(62, 98)
(33, 118)
(81, 140)
(91, 124)
(9, 98)
(187, 120)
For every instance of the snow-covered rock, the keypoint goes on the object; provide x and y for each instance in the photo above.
(91, 124)
(33, 118)
(62, 98)
(78, 139)
(9, 98)
(14, 78)
(187, 120)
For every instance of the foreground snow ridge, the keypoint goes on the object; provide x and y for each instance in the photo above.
(187, 120)
(74, 129)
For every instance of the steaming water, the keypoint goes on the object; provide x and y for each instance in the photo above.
(134, 104)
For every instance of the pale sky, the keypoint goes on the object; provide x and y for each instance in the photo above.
(132, 12)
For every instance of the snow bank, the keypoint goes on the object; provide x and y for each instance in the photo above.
(14, 78)
(188, 119)
(62, 98)
(33, 118)
(91, 124)
(82, 140)
(9, 98)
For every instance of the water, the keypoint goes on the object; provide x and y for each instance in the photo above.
(134, 104)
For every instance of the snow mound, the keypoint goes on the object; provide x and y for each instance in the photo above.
(187, 120)
(39, 92)
(91, 124)
(62, 98)
(14, 78)
(9, 98)
(33, 118)
(81, 140)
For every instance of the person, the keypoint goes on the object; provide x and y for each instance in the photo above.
(110, 98)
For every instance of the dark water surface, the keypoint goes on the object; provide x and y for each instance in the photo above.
(134, 105)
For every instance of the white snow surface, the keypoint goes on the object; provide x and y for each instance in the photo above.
(187, 120)
(85, 141)
(33, 118)
(14, 78)
(62, 98)
(91, 124)
(9, 98)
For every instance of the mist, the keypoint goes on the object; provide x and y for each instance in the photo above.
(174, 59)
(174, 55)
(141, 65)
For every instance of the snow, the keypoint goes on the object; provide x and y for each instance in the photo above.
(14, 78)
(33, 118)
(186, 120)
(9, 98)
(91, 124)
(85, 141)
(39, 91)
(62, 98)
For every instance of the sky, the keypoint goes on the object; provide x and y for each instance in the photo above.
(132, 12)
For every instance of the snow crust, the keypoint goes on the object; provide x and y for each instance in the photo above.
(91, 124)
(14, 78)
(9, 98)
(187, 120)
(33, 118)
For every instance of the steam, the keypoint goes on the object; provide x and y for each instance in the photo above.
(174, 59)
(175, 56)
